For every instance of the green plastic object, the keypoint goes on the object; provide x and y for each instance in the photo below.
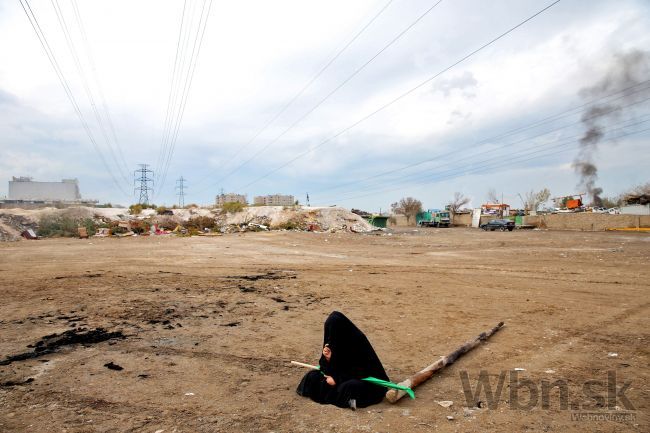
(388, 384)
(384, 383)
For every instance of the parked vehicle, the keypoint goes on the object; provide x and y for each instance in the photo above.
(501, 225)
(435, 218)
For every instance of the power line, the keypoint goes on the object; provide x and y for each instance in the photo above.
(302, 90)
(73, 51)
(188, 84)
(499, 161)
(100, 91)
(64, 83)
(549, 119)
(403, 95)
(333, 91)
(171, 96)
(145, 182)
(506, 145)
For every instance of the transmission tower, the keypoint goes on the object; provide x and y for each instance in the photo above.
(180, 186)
(307, 199)
(146, 182)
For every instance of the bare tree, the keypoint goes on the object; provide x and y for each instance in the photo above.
(458, 202)
(534, 199)
(407, 206)
(492, 196)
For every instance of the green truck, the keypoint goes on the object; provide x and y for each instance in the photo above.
(433, 218)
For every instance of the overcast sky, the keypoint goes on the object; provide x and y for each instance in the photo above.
(256, 56)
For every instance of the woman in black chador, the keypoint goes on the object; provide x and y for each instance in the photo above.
(347, 358)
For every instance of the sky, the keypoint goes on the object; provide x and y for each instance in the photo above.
(391, 112)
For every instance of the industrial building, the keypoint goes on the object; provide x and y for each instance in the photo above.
(231, 198)
(26, 193)
(274, 200)
(25, 189)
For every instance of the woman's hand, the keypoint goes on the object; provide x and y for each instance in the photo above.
(327, 353)
(330, 381)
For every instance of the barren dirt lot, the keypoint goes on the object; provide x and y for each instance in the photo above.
(212, 323)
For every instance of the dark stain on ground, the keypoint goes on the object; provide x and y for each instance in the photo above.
(271, 275)
(51, 343)
(14, 383)
(78, 276)
(112, 366)
(231, 324)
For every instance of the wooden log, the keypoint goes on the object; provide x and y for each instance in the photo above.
(393, 395)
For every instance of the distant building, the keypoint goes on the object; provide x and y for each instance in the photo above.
(25, 189)
(231, 198)
(274, 200)
(500, 209)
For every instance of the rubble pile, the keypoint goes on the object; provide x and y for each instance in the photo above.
(11, 226)
(183, 222)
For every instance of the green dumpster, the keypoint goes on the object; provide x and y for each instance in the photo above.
(377, 220)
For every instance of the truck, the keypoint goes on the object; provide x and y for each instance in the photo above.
(433, 218)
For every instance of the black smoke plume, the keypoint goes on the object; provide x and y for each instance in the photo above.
(627, 73)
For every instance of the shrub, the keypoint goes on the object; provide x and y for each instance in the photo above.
(291, 224)
(232, 207)
(160, 210)
(200, 223)
(135, 209)
(64, 226)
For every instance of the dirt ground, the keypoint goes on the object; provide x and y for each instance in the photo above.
(211, 324)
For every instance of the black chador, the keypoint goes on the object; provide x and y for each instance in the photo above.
(351, 358)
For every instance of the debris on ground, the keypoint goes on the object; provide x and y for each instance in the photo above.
(51, 343)
(445, 403)
(112, 366)
(29, 234)
(104, 222)
(12, 226)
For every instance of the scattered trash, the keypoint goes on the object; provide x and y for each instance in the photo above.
(113, 366)
(520, 369)
(450, 418)
(445, 403)
(29, 234)
(612, 355)
(549, 371)
(189, 393)
(103, 232)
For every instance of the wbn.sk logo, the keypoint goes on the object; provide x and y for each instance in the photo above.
(526, 394)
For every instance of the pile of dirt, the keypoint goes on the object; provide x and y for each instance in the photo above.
(191, 221)
(326, 219)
